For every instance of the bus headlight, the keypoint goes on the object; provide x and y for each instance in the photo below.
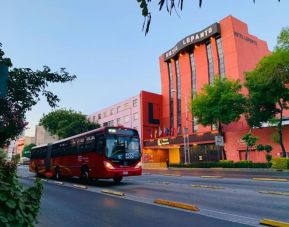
(138, 165)
(108, 165)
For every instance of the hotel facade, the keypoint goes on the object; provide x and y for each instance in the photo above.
(225, 49)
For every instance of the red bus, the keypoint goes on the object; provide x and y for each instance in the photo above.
(109, 152)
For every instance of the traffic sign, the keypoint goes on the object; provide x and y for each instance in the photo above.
(219, 140)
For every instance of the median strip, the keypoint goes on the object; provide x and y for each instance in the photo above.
(112, 192)
(177, 204)
(270, 222)
(211, 176)
(274, 193)
(206, 186)
(271, 179)
(79, 186)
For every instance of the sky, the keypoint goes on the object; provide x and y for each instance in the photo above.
(102, 43)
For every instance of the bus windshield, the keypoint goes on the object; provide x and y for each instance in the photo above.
(122, 147)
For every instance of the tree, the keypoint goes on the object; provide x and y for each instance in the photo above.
(219, 103)
(269, 92)
(170, 6)
(27, 150)
(65, 123)
(283, 39)
(24, 88)
(250, 141)
(267, 148)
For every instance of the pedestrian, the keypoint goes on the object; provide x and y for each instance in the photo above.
(168, 163)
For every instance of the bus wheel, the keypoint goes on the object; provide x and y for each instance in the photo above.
(117, 179)
(84, 173)
(57, 173)
(37, 171)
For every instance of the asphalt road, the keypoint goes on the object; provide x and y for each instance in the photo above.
(235, 199)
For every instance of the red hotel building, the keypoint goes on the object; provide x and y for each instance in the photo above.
(227, 49)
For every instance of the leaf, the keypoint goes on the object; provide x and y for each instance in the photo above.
(11, 203)
(3, 219)
(3, 197)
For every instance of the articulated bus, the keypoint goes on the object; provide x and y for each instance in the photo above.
(109, 152)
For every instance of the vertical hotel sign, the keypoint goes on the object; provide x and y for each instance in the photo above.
(193, 39)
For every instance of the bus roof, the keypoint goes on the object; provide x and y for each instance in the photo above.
(81, 134)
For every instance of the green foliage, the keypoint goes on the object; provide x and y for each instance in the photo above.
(280, 163)
(27, 150)
(260, 147)
(171, 5)
(268, 92)
(218, 103)
(268, 157)
(65, 123)
(268, 148)
(25, 87)
(283, 39)
(18, 205)
(249, 139)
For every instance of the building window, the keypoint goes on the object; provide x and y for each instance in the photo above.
(118, 109)
(171, 95)
(118, 121)
(104, 114)
(111, 123)
(135, 116)
(195, 124)
(193, 73)
(112, 111)
(93, 119)
(220, 57)
(134, 103)
(105, 124)
(210, 63)
(179, 94)
(126, 105)
(126, 119)
(99, 116)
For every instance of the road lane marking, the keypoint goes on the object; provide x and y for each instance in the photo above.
(177, 204)
(163, 182)
(206, 186)
(112, 192)
(173, 175)
(44, 180)
(270, 179)
(58, 182)
(274, 193)
(79, 186)
(270, 222)
(211, 176)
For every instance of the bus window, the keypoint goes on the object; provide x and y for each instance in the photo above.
(100, 144)
(80, 145)
(90, 143)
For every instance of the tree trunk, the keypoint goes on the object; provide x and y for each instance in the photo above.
(280, 133)
(246, 154)
(222, 150)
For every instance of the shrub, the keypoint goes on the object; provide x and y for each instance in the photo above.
(280, 163)
(18, 205)
(226, 163)
(268, 157)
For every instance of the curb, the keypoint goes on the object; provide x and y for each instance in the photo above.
(112, 192)
(270, 222)
(274, 193)
(271, 179)
(177, 204)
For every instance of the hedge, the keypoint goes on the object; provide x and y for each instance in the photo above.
(280, 163)
(223, 164)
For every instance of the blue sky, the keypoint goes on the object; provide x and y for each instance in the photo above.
(103, 44)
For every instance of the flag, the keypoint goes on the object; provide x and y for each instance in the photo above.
(156, 131)
(167, 131)
(172, 132)
(151, 133)
(179, 130)
(160, 131)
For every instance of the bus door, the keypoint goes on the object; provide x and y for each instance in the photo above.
(48, 158)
